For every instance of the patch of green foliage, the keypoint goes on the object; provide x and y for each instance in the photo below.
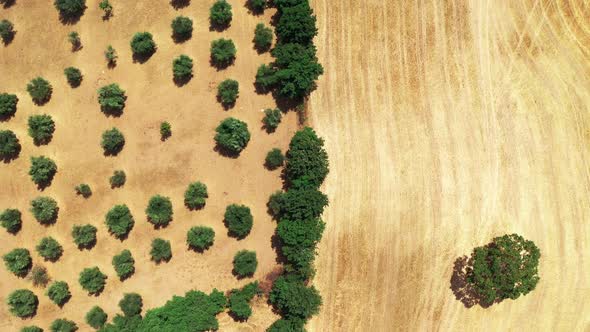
(245, 263)
(63, 325)
(272, 119)
(49, 249)
(200, 238)
(262, 37)
(84, 235)
(9, 145)
(182, 68)
(293, 299)
(40, 90)
(11, 220)
(307, 161)
(220, 14)
(119, 221)
(124, 264)
(232, 136)
(70, 8)
(238, 219)
(22, 303)
(96, 317)
(84, 190)
(18, 261)
(92, 280)
(8, 104)
(165, 130)
(182, 28)
(59, 292)
(142, 44)
(112, 99)
(117, 179)
(112, 141)
(223, 52)
(74, 76)
(161, 250)
(6, 31)
(195, 195)
(274, 159)
(239, 301)
(41, 128)
(44, 209)
(228, 91)
(159, 211)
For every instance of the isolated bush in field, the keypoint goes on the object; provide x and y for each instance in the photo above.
(262, 37)
(302, 204)
(11, 220)
(9, 145)
(18, 261)
(239, 301)
(117, 179)
(39, 276)
(44, 209)
(287, 325)
(42, 170)
(49, 249)
(265, 77)
(96, 317)
(297, 24)
(159, 210)
(142, 44)
(41, 128)
(504, 269)
(106, 6)
(220, 14)
(92, 280)
(112, 99)
(161, 250)
(70, 8)
(63, 325)
(307, 161)
(274, 158)
(182, 28)
(195, 195)
(73, 75)
(223, 52)
(84, 190)
(84, 235)
(257, 6)
(245, 263)
(112, 141)
(111, 55)
(31, 328)
(182, 68)
(119, 221)
(8, 104)
(22, 303)
(238, 219)
(293, 299)
(6, 31)
(272, 119)
(200, 237)
(124, 264)
(228, 92)
(59, 292)
(232, 135)
(275, 202)
(165, 130)
(40, 90)
(131, 304)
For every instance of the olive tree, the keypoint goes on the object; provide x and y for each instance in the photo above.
(74, 39)
(200, 238)
(272, 119)
(92, 280)
(69, 9)
(112, 99)
(220, 14)
(257, 6)
(41, 128)
(107, 8)
(84, 190)
(124, 264)
(119, 221)
(40, 90)
(44, 209)
(49, 249)
(11, 220)
(63, 325)
(96, 317)
(74, 76)
(165, 130)
(262, 37)
(195, 195)
(297, 24)
(245, 263)
(118, 179)
(42, 170)
(131, 304)
(182, 68)
(292, 298)
(238, 220)
(274, 159)
(182, 28)
(159, 211)
(232, 136)
(6, 31)
(9, 145)
(111, 56)
(223, 52)
(31, 328)
(112, 141)
(84, 236)
(22, 303)
(227, 92)
(59, 292)
(8, 104)
(161, 250)
(18, 261)
(143, 45)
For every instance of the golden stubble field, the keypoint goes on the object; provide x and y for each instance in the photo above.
(40, 48)
(449, 123)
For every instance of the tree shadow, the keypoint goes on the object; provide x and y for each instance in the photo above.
(8, 158)
(221, 65)
(218, 27)
(225, 152)
(181, 81)
(52, 220)
(87, 246)
(7, 3)
(75, 84)
(66, 300)
(77, 46)
(226, 106)
(70, 19)
(144, 57)
(114, 152)
(114, 112)
(462, 289)
(42, 185)
(252, 10)
(178, 4)
(9, 38)
(277, 245)
(181, 38)
(43, 141)
(199, 250)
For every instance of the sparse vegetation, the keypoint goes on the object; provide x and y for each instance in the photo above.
(200, 238)
(74, 39)
(44, 209)
(119, 221)
(8, 104)
(11, 220)
(182, 28)
(63, 325)
(159, 211)
(84, 190)
(92, 280)
(18, 261)
(223, 52)
(112, 141)
(9, 145)
(42, 170)
(111, 55)
(84, 235)
(39, 276)
(272, 119)
(274, 159)
(220, 14)
(118, 179)
(6, 31)
(161, 250)
(73, 75)
(238, 219)
(106, 6)
(96, 317)
(262, 37)
(143, 44)
(41, 128)
(59, 292)
(232, 135)
(245, 263)
(182, 68)
(195, 195)
(228, 91)
(22, 303)
(165, 130)
(49, 249)
(112, 99)
(40, 90)
(124, 264)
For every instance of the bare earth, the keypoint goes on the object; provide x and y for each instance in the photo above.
(449, 123)
(40, 48)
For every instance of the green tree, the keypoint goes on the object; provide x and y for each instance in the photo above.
(504, 269)
(118, 179)
(262, 37)
(293, 299)
(143, 45)
(297, 24)
(124, 264)
(59, 292)
(182, 28)
(40, 90)
(70, 8)
(220, 14)
(307, 161)
(92, 280)
(112, 99)
(6, 31)
(265, 78)
(200, 238)
(39, 276)
(274, 159)
(239, 301)
(119, 221)
(31, 328)
(63, 325)
(74, 76)
(195, 195)
(11, 220)
(296, 69)
(227, 92)
(257, 6)
(182, 68)
(49, 249)
(111, 55)
(9, 145)
(245, 263)
(41, 128)
(8, 104)
(159, 211)
(161, 250)
(106, 6)
(165, 130)
(298, 244)
(272, 119)
(232, 136)
(302, 204)
(74, 39)
(112, 141)
(84, 235)
(42, 170)
(96, 317)
(223, 52)
(131, 304)
(18, 261)
(84, 190)
(22, 303)
(287, 325)
(238, 219)
(275, 201)
(282, 4)
(44, 209)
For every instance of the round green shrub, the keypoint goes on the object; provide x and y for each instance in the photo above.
(200, 238)
(8, 104)
(165, 130)
(257, 6)
(70, 8)
(287, 325)
(9, 145)
(74, 76)
(84, 190)
(274, 158)
(124, 264)
(18, 261)
(182, 28)
(40, 90)
(131, 304)
(112, 141)
(195, 195)
(112, 99)
(223, 52)
(42, 170)
(84, 235)
(182, 68)
(41, 128)
(272, 119)
(238, 220)
(118, 179)
(63, 325)
(220, 14)
(31, 328)
(159, 211)
(59, 292)
(22, 303)
(161, 250)
(119, 221)
(142, 44)
(262, 37)
(228, 92)
(96, 317)
(49, 249)
(44, 209)
(293, 299)
(11, 220)
(6, 31)
(92, 280)
(39, 276)
(232, 136)
(245, 263)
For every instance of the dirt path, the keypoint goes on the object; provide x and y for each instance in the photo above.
(449, 123)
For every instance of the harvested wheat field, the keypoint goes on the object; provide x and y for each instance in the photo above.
(449, 123)
(41, 48)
